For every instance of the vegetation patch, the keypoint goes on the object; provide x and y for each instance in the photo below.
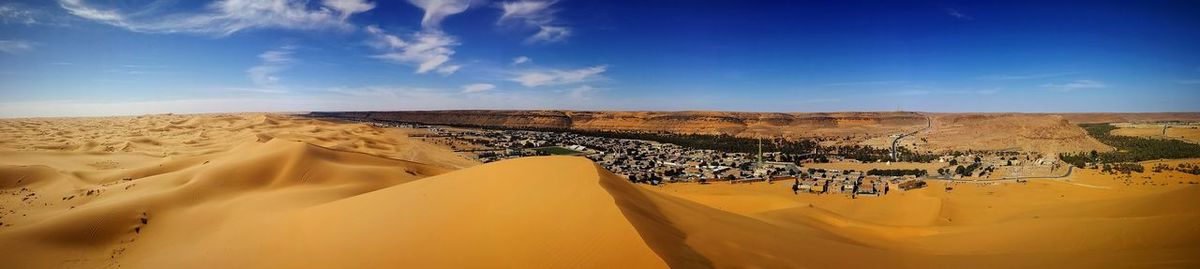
(897, 172)
(1129, 149)
(1183, 167)
(557, 151)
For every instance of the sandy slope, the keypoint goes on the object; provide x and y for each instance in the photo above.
(1050, 134)
(310, 201)
(181, 135)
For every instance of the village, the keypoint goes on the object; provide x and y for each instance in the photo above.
(654, 163)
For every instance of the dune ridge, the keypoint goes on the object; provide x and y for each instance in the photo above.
(288, 201)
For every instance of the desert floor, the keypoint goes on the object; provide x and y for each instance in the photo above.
(275, 191)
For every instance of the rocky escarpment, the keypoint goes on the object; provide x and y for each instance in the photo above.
(693, 122)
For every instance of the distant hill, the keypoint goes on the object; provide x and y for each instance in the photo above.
(1040, 132)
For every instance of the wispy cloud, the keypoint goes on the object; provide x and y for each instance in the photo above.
(17, 13)
(1082, 84)
(538, 15)
(979, 92)
(987, 91)
(437, 10)
(345, 8)
(427, 50)
(477, 87)
(259, 90)
(226, 17)
(521, 60)
(1026, 76)
(265, 74)
(550, 34)
(11, 13)
(1188, 81)
(819, 101)
(535, 78)
(910, 92)
(865, 83)
(16, 46)
(581, 92)
(958, 14)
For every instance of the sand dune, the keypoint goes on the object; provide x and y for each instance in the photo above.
(182, 135)
(275, 197)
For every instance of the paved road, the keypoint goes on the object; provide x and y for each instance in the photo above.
(928, 124)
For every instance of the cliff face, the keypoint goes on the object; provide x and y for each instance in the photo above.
(516, 119)
(1080, 118)
(746, 124)
(1006, 131)
(1039, 132)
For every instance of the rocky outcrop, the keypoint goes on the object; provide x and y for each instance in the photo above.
(698, 122)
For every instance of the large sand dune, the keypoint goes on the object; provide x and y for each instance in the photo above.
(286, 202)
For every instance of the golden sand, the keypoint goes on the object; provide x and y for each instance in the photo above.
(272, 191)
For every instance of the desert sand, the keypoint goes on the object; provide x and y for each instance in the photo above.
(274, 191)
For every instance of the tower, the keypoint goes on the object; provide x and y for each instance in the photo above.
(760, 154)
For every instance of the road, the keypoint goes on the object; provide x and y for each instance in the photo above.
(928, 124)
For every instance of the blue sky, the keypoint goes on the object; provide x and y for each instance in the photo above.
(88, 57)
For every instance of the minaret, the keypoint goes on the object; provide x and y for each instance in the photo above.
(760, 162)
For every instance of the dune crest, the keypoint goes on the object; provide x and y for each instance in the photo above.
(320, 197)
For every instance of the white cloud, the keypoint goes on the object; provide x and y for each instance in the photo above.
(958, 14)
(437, 10)
(427, 50)
(550, 34)
(535, 14)
(265, 74)
(987, 91)
(398, 97)
(81, 9)
(477, 87)
(580, 92)
(9, 13)
(1188, 81)
(865, 83)
(226, 17)
(16, 46)
(911, 92)
(348, 7)
(1077, 85)
(520, 60)
(446, 70)
(1026, 76)
(537, 78)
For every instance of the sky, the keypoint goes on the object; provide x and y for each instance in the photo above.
(96, 58)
